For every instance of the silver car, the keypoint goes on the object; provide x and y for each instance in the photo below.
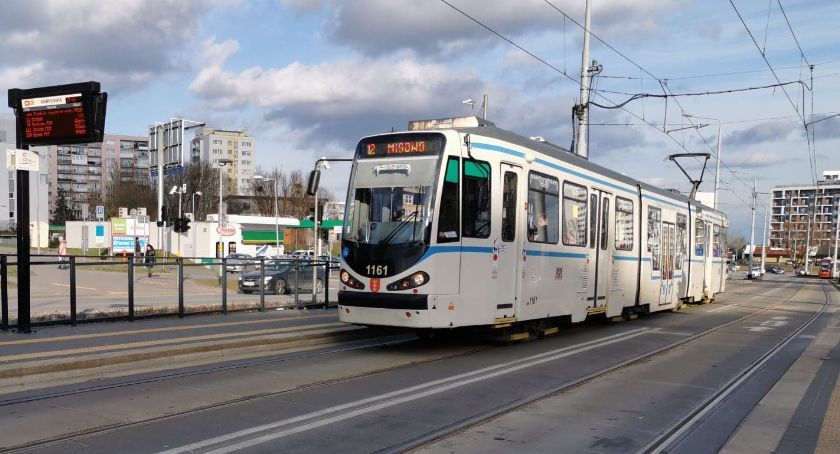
(239, 263)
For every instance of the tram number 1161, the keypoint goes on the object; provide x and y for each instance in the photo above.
(376, 270)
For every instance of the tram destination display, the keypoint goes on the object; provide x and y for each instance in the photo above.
(392, 146)
(60, 114)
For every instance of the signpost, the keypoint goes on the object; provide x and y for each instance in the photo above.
(55, 115)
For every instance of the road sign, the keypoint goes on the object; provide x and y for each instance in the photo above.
(100, 212)
(22, 160)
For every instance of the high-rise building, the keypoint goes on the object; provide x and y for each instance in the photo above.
(38, 194)
(210, 145)
(83, 171)
(794, 207)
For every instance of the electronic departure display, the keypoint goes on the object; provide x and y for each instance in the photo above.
(400, 145)
(61, 114)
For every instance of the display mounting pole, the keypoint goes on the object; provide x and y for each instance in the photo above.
(22, 200)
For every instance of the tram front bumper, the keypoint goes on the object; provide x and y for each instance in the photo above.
(395, 309)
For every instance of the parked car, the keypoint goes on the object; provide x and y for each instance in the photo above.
(301, 253)
(239, 263)
(755, 272)
(280, 278)
(329, 259)
(775, 269)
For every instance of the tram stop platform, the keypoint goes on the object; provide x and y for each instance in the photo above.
(62, 354)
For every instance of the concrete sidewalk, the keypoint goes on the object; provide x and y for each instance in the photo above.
(63, 354)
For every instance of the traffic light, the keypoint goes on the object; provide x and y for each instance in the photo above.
(176, 225)
(185, 225)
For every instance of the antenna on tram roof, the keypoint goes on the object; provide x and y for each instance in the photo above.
(695, 184)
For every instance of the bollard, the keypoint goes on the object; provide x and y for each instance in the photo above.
(73, 290)
(313, 267)
(4, 287)
(224, 285)
(262, 284)
(180, 263)
(297, 287)
(131, 291)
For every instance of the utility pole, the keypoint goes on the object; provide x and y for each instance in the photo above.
(484, 108)
(836, 207)
(752, 233)
(717, 170)
(810, 212)
(582, 109)
(764, 241)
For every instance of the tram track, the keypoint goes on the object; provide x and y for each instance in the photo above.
(391, 341)
(415, 442)
(664, 439)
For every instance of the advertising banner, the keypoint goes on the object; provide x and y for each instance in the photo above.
(125, 243)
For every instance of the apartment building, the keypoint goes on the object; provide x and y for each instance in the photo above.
(84, 170)
(210, 145)
(796, 208)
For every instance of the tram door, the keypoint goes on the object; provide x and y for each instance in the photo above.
(600, 246)
(507, 262)
(669, 256)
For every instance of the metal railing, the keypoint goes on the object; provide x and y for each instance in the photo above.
(190, 281)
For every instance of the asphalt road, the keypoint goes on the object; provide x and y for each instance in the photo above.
(559, 394)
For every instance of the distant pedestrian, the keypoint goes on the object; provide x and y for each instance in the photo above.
(62, 254)
(150, 258)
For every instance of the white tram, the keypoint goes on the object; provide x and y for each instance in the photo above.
(458, 223)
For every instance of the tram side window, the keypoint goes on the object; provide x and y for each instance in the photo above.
(448, 225)
(700, 238)
(509, 207)
(654, 235)
(682, 248)
(543, 208)
(623, 224)
(574, 214)
(476, 199)
(715, 241)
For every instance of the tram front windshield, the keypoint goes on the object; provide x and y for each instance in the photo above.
(389, 202)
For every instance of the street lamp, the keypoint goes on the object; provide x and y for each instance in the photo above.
(220, 246)
(260, 178)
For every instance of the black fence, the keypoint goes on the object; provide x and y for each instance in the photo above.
(258, 279)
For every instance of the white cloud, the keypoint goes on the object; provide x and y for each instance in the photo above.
(124, 44)
(433, 29)
(755, 160)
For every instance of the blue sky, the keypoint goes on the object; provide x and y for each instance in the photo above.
(309, 77)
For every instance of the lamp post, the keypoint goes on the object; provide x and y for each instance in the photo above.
(220, 246)
(260, 178)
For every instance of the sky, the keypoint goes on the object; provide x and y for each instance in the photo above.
(309, 78)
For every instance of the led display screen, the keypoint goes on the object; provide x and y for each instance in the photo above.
(400, 145)
(58, 115)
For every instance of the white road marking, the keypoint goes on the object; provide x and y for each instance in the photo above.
(68, 286)
(360, 407)
(728, 306)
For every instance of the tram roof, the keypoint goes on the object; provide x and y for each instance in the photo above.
(567, 156)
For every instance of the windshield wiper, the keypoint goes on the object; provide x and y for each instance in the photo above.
(403, 223)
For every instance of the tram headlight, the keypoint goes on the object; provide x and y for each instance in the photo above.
(415, 280)
(349, 280)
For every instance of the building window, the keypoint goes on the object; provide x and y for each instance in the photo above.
(574, 214)
(543, 208)
(623, 224)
